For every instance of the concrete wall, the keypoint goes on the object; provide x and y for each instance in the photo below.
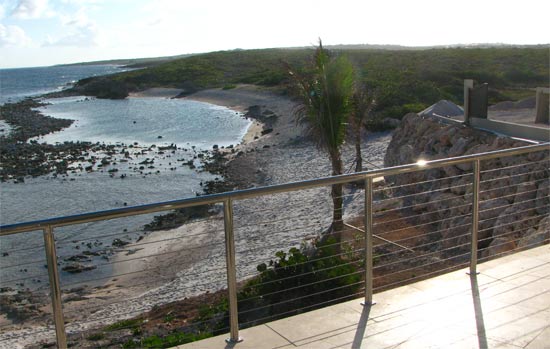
(541, 134)
(543, 106)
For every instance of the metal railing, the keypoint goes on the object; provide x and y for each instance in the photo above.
(397, 222)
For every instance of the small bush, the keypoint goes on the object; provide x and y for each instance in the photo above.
(130, 323)
(297, 281)
(95, 337)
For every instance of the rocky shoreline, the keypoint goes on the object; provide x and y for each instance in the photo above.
(28, 122)
(273, 153)
(20, 158)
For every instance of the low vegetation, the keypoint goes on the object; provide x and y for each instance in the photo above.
(102, 88)
(292, 282)
(295, 282)
(405, 80)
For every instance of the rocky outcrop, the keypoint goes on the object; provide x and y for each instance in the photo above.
(102, 87)
(266, 116)
(514, 191)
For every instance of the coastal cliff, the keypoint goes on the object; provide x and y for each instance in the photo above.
(514, 210)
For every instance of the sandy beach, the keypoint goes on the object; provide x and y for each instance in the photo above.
(171, 265)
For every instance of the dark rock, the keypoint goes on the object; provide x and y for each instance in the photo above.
(119, 243)
(177, 218)
(78, 257)
(267, 131)
(267, 116)
(90, 253)
(75, 268)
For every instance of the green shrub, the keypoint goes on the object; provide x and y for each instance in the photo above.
(398, 111)
(130, 324)
(213, 318)
(95, 337)
(297, 281)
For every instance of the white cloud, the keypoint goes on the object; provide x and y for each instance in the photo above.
(83, 5)
(77, 19)
(80, 36)
(80, 30)
(32, 9)
(13, 36)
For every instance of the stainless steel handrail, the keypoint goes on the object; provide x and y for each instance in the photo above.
(369, 224)
(254, 192)
(475, 218)
(231, 265)
(55, 288)
(227, 200)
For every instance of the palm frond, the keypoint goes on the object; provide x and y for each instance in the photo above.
(325, 98)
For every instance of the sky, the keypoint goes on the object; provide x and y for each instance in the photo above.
(48, 32)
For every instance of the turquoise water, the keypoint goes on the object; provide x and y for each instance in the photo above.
(147, 121)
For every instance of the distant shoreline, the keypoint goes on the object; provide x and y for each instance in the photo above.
(229, 100)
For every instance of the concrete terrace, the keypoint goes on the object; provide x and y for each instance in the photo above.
(506, 306)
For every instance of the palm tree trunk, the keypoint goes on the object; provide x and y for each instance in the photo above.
(358, 158)
(337, 193)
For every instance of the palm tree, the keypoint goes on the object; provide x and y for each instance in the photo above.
(325, 100)
(363, 104)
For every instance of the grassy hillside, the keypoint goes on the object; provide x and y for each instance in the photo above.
(217, 69)
(410, 80)
(406, 80)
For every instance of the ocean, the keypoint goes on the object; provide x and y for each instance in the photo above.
(159, 144)
(18, 83)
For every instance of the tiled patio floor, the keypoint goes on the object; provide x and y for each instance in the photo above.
(506, 306)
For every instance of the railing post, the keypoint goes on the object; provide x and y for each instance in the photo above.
(55, 289)
(368, 242)
(475, 218)
(231, 271)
